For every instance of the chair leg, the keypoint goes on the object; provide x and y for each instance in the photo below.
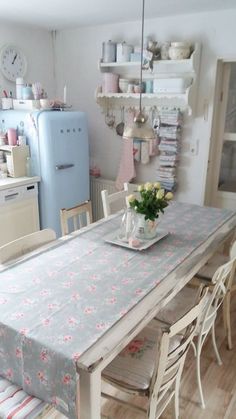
(199, 349)
(227, 320)
(177, 386)
(213, 335)
(152, 408)
(194, 348)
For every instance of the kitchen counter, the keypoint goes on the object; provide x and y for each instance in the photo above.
(11, 182)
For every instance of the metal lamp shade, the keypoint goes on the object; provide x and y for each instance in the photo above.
(139, 128)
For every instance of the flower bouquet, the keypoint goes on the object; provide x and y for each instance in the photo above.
(152, 201)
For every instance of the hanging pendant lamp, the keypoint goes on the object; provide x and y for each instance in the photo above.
(140, 128)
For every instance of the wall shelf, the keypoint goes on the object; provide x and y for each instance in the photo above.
(187, 68)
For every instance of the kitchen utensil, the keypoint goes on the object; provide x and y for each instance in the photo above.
(110, 119)
(108, 52)
(120, 127)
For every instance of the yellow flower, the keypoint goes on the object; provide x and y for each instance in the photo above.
(169, 196)
(148, 186)
(160, 194)
(131, 198)
(140, 188)
(157, 185)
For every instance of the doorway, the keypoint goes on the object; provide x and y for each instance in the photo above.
(221, 178)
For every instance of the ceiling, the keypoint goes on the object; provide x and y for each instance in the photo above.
(58, 14)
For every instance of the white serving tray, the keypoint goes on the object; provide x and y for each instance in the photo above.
(144, 244)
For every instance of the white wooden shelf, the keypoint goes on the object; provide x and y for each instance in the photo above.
(161, 69)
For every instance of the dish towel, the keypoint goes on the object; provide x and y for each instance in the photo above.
(126, 169)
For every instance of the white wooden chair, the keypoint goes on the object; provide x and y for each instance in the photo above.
(221, 284)
(76, 213)
(25, 244)
(151, 365)
(205, 275)
(115, 202)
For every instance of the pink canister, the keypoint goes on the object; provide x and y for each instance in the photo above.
(110, 83)
(12, 137)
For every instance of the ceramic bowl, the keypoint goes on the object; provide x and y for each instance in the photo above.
(123, 85)
(179, 50)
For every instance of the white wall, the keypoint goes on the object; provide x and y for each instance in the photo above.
(77, 55)
(38, 49)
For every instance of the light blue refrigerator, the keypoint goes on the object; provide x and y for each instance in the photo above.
(58, 143)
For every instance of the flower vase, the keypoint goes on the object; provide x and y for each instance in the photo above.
(145, 229)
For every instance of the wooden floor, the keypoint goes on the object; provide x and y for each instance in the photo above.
(219, 384)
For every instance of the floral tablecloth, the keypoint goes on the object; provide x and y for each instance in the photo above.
(57, 304)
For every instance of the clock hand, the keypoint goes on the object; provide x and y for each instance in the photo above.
(14, 59)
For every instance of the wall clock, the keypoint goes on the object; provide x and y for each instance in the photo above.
(13, 63)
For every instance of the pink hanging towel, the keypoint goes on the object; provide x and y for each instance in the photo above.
(126, 170)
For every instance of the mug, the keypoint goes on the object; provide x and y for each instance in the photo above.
(11, 135)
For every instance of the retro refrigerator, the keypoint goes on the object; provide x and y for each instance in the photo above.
(58, 143)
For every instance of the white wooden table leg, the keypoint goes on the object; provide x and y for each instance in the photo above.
(90, 395)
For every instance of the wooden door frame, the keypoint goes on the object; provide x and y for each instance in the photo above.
(216, 139)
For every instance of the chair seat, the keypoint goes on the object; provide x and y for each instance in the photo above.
(208, 270)
(17, 404)
(180, 305)
(133, 367)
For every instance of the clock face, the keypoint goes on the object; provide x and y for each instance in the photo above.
(12, 62)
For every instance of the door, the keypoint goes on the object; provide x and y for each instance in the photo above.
(221, 181)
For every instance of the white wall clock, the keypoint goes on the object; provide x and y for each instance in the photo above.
(12, 62)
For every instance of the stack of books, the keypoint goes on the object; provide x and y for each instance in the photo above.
(169, 133)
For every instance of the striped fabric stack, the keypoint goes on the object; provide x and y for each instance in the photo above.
(169, 132)
(17, 404)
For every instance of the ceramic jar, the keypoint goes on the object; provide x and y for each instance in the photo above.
(179, 50)
(108, 52)
(110, 83)
(123, 53)
(165, 51)
(145, 229)
(123, 85)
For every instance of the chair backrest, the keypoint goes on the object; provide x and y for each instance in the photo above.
(222, 282)
(117, 200)
(77, 215)
(172, 351)
(26, 244)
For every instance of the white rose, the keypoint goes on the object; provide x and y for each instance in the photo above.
(157, 185)
(131, 198)
(148, 186)
(140, 188)
(160, 194)
(169, 196)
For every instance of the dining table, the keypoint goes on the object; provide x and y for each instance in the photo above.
(68, 309)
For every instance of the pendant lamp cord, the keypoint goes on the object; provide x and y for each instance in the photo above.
(141, 66)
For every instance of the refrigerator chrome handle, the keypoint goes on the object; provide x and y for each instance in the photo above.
(64, 166)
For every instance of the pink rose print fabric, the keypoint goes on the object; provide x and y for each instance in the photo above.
(57, 304)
